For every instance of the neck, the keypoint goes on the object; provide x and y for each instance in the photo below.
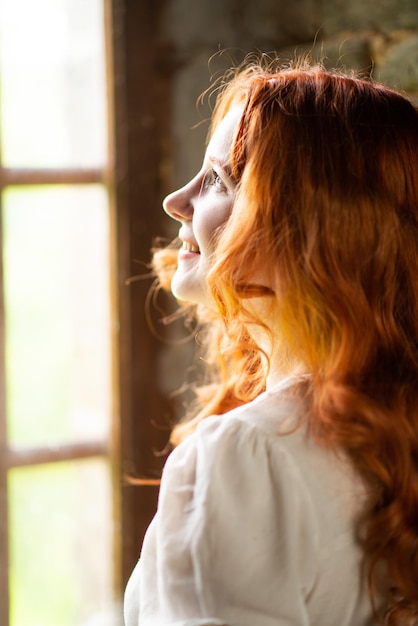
(277, 364)
(276, 370)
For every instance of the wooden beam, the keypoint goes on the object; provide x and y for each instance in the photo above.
(23, 457)
(31, 176)
(142, 113)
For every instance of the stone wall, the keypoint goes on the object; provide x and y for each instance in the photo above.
(377, 36)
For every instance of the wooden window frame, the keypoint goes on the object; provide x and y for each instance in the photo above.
(140, 74)
(142, 71)
(12, 457)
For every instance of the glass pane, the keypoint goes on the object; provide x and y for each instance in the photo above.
(60, 545)
(56, 265)
(52, 69)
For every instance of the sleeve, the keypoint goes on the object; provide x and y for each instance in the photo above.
(233, 540)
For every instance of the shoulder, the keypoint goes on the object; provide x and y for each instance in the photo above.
(270, 428)
(233, 495)
(270, 414)
(248, 445)
(241, 457)
(265, 446)
(244, 433)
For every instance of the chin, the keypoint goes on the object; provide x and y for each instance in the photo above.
(191, 293)
(185, 290)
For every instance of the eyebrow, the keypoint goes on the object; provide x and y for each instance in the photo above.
(222, 164)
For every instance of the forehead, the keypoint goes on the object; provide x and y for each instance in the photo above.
(222, 139)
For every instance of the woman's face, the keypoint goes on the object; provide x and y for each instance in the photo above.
(201, 206)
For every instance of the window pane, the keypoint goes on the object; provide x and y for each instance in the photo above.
(60, 545)
(56, 264)
(52, 69)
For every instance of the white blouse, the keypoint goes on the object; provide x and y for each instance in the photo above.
(255, 527)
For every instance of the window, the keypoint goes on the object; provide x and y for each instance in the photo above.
(58, 398)
(83, 381)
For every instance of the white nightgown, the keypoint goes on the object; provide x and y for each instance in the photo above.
(255, 527)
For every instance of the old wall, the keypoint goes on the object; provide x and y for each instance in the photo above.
(377, 35)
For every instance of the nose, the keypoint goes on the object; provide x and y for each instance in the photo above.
(178, 204)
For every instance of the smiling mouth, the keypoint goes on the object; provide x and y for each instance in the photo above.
(190, 247)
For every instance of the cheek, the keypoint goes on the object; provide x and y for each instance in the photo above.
(207, 223)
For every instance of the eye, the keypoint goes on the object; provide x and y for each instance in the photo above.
(212, 179)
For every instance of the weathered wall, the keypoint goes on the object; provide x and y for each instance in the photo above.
(350, 33)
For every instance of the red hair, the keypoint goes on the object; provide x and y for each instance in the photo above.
(326, 167)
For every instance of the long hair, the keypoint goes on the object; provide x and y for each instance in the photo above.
(326, 167)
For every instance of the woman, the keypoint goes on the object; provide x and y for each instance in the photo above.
(295, 501)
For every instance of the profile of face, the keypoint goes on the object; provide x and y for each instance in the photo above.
(201, 207)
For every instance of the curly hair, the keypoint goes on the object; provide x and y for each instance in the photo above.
(326, 167)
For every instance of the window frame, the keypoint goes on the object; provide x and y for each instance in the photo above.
(143, 69)
(12, 457)
(139, 125)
